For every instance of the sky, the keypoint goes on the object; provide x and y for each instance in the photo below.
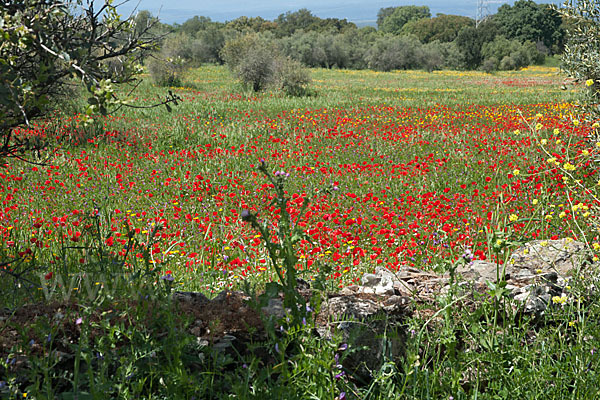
(358, 11)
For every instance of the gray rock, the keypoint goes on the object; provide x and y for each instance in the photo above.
(562, 256)
(370, 324)
(479, 271)
(381, 282)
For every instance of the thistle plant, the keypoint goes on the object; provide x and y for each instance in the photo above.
(282, 251)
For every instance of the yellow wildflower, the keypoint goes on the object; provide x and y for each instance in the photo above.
(559, 299)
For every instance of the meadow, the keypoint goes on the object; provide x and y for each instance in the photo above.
(401, 169)
(405, 168)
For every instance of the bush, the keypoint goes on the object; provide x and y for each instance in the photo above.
(177, 47)
(512, 53)
(508, 63)
(490, 65)
(393, 52)
(454, 58)
(207, 46)
(291, 77)
(45, 44)
(257, 64)
(433, 56)
(165, 72)
(256, 68)
(236, 49)
(173, 59)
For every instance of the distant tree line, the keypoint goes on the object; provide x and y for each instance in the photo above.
(406, 37)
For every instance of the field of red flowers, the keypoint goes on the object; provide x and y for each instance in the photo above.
(391, 183)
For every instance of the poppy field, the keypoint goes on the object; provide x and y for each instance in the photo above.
(401, 169)
(395, 170)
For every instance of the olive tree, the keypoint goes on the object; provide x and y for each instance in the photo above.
(46, 45)
(582, 47)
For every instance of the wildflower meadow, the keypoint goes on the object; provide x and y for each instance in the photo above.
(404, 169)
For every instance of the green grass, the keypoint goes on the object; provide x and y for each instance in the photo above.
(406, 168)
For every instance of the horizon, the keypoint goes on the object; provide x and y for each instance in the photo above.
(356, 11)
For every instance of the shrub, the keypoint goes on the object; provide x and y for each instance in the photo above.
(250, 60)
(235, 50)
(173, 59)
(291, 77)
(165, 72)
(512, 53)
(393, 52)
(433, 56)
(257, 64)
(490, 65)
(177, 47)
(508, 63)
(454, 59)
(256, 68)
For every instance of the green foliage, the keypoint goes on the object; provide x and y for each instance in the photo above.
(443, 28)
(196, 24)
(327, 50)
(247, 25)
(252, 61)
(258, 64)
(207, 46)
(291, 77)
(335, 43)
(174, 58)
(46, 43)
(166, 72)
(235, 50)
(511, 53)
(394, 22)
(382, 14)
(282, 252)
(394, 52)
(291, 22)
(434, 56)
(582, 48)
(526, 20)
(257, 68)
(490, 64)
(470, 41)
(406, 52)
